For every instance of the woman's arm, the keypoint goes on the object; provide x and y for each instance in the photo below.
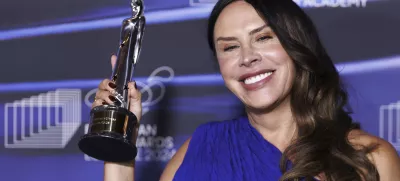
(385, 157)
(125, 171)
(388, 163)
(119, 171)
(175, 162)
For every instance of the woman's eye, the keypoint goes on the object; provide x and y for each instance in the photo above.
(262, 38)
(229, 48)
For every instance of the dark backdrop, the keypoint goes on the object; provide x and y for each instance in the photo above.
(65, 46)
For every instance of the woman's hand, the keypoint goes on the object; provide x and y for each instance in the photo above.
(104, 94)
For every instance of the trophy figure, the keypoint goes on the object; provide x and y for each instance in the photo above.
(112, 127)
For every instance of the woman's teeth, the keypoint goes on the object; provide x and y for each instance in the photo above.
(257, 78)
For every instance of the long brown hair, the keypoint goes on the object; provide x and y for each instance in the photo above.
(318, 99)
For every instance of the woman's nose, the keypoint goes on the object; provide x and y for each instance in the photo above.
(249, 57)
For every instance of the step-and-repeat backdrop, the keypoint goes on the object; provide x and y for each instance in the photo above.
(55, 53)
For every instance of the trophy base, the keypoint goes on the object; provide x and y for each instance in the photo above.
(107, 147)
(109, 137)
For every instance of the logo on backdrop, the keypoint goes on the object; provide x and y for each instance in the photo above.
(331, 3)
(49, 120)
(306, 3)
(389, 123)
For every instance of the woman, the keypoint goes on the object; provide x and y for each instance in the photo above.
(296, 125)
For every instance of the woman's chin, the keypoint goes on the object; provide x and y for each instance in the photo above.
(260, 106)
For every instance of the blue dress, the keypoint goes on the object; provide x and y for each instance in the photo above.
(231, 150)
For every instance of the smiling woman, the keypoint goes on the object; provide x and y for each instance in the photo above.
(241, 46)
(296, 126)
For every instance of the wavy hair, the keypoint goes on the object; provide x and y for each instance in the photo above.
(318, 100)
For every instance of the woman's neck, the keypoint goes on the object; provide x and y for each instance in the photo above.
(277, 127)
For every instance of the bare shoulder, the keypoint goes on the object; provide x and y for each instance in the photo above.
(175, 162)
(384, 156)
